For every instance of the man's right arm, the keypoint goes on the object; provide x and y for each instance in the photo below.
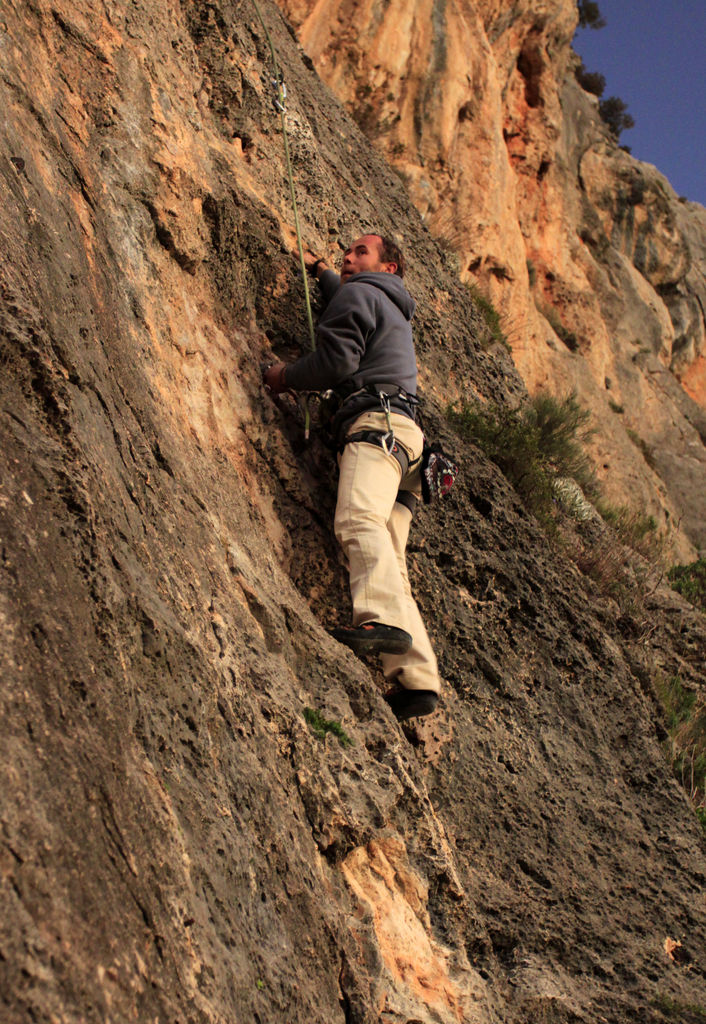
(342, 336)
(274, 376)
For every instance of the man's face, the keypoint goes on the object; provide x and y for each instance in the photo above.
(364, 254)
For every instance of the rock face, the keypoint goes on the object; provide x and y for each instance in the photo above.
(597, 267)
(177, 842)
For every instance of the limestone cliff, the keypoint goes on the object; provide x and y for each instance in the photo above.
(596, 265)
(177, 843)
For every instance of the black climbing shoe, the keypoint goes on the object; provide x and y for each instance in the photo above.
(411, 703)
(373, 638)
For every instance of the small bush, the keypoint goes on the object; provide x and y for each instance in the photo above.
(508, 441)
(540, 449)
(533, 446)
(677, 701)
(614, 112)
(568, 337)
(590, 15)
(647, 453)
(690, 582)
(679, 1011)
(320, 726)
(563, 431)
(591, 81)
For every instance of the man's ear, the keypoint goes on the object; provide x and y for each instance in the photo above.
(390, 268)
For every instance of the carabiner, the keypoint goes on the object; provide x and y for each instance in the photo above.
(280, 94)
(387, 442)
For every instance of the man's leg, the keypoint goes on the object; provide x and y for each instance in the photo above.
(368, 484)
(417, 668)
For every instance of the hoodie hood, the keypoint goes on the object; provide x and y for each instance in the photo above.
(391, 285)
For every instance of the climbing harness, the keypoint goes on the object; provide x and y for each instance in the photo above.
(380, 439)
(386, 393)
(384, 439)
(408, 499)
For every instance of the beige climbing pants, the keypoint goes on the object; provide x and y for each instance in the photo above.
(372, 528)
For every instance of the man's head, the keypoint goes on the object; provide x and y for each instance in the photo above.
(372, 253)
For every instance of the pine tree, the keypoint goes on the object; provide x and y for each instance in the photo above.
(614, 113)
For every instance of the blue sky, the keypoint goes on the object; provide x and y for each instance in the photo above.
(653, 56)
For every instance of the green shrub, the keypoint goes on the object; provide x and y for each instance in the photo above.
(613, 112)
(540, 448)
(533, 445)
(569, 337)
(679, 1011)
(563, 431)
(677, 701)
(647, 453)
(690, 582)
(591, 81)
(320, 726)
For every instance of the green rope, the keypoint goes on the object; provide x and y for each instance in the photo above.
(280, 103)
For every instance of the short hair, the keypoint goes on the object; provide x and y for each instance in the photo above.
(390, 253)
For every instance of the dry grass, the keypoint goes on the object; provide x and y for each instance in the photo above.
(685, 718)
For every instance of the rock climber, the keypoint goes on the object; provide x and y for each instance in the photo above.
(365, 354)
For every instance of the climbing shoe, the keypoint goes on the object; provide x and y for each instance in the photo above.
(373, 638)
(411, 703)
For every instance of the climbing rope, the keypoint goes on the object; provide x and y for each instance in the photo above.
(280, 104)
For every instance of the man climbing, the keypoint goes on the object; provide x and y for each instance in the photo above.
(365, 354)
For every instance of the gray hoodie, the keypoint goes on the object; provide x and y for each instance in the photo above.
(364, 337)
